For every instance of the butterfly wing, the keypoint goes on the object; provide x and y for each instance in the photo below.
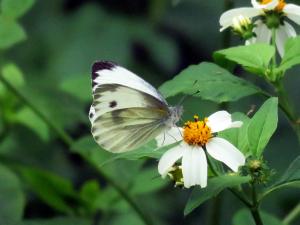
(127, 112)
(127, 129)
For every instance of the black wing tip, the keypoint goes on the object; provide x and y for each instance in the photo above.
(102, 65)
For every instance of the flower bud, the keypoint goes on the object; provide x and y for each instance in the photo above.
(175, 174)
(243, 27)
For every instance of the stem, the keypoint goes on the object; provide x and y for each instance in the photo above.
(61, 133)
(69, 141)
(286, 107)
(284, 102)
(292, 215)
(254, 209)
(274, 63)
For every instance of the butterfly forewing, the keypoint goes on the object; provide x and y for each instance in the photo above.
(127, 112)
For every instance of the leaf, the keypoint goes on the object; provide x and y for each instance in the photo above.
(291, 55)
(147, 181)
(262, 126)
(15, 8)
(255, 57)
(291, 178)
(11, 33)
(88, 148)
(13, 75)
(12, 199)
(57, 221)
(28, 118)
(238, 136)
(79, 86)
(54, 190)
(213, 83)
(243, 217)
(214, 187)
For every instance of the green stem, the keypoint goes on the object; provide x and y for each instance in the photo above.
(254, 209)
(69, 141)
(61, 133)
(284, 102)
(294, 214)
(274, 63)
(286, 107)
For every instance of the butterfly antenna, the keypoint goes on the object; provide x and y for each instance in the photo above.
(189, 95)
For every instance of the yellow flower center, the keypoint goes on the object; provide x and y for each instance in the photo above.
(278, 8)
(280, 5)
(197, 132)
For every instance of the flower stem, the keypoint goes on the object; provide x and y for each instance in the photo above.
(294, 214)
(286, 107)
(274, 63)
(254, 209)
(67, 139)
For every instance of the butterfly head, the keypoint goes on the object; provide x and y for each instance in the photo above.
(175, 115)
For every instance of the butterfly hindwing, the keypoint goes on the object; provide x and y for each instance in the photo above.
(127, 129)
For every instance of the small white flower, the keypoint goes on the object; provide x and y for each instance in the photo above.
(272, 14)
(196, 137)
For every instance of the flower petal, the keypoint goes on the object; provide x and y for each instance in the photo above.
(263, 33)
(169, 137)
(250, 41)
(194, 167)
(226, 18)
(221, 120)
(292, 11)
(282, 34)
(269, 6)
(224, 151)
(169, 158)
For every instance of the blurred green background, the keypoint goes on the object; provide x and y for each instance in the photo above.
(45, 181)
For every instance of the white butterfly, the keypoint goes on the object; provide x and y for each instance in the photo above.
(127, 112)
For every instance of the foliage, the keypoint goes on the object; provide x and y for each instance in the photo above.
(53, 172)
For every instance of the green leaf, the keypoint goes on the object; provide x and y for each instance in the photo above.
(147, 181)
(54, 190)
(238, 136)
(15, 8)
(243, 217)
(254, 57)
(13, 75)
(291, 178)
(262, 126)
(292, 54)
(11, 33)
(79, 87)
(12, 199)
(28, 118)
(57, 221)
(213, 83)
(214, 187)
(89, 149)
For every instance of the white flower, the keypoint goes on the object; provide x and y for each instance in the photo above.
(195, 138)
(272, 14)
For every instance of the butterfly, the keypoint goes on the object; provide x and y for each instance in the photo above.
(127, 112)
